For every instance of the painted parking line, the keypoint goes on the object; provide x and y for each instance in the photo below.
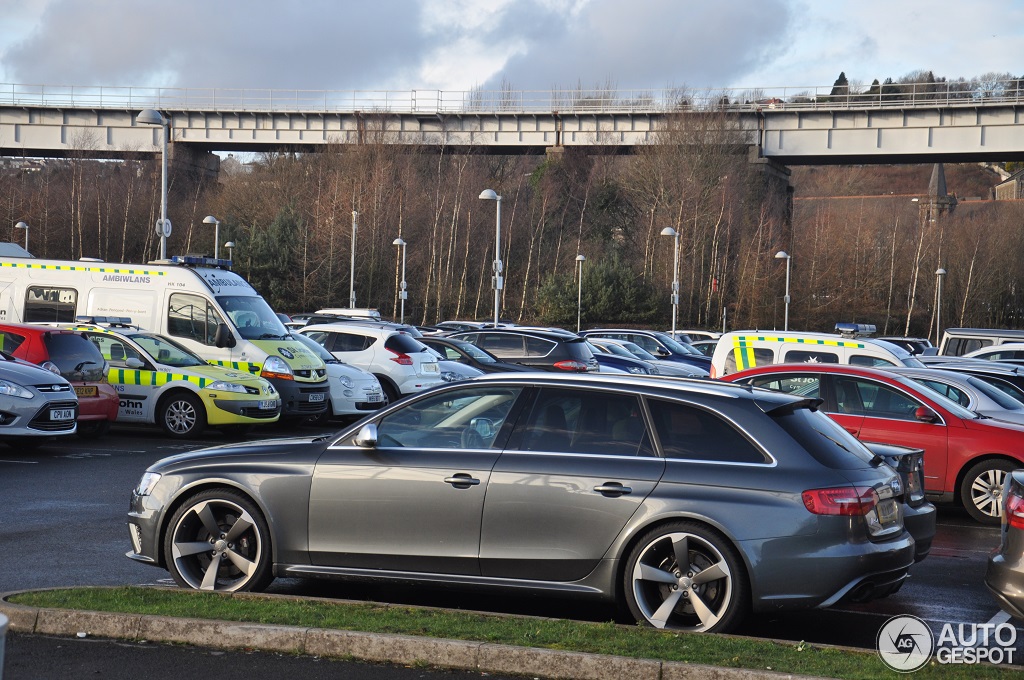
(22, 462)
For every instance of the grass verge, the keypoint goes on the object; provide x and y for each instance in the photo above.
(597, 638)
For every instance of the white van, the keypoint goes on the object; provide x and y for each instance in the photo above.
(367, 313)
(196, 301)
(960, 341)
(739, 350)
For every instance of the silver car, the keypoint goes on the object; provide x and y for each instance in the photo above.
(971, 392)
(35, 404)
(689, 502)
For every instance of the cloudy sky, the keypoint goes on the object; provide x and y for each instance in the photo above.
(528, 44)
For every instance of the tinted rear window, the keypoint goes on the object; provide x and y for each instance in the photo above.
(405, 344)
(824, 439)
(77, 358)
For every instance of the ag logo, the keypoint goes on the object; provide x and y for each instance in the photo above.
(285, 353)
(905, 643)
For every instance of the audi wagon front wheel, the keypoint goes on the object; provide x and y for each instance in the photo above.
(685, 576)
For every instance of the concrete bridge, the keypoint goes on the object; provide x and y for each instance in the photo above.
(933, 122)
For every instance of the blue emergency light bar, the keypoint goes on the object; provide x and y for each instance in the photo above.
(201, 261)
(853, 330)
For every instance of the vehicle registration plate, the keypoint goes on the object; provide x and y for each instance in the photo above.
(62, 414)
(316, 396)
(888, 511)
(86, 390)
(268, 405)
(374, 397)
(430, 368)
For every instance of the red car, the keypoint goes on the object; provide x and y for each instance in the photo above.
(967, 456)
(77, 360)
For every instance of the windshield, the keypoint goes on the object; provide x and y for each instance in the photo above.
(253, 317)
(639, 352)
(912, 362)
(475, 352)
(614, 348)
(674, 347)
(1000, 396)
(166, 351)
(316, 348)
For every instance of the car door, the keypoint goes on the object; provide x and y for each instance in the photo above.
(577, 466)
(414, 501)
(888, 416)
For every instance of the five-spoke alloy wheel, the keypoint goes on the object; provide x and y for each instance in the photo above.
(218, 540)
(685, 576)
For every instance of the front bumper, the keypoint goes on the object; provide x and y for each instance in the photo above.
(1005, 580)
(920, 523)
(301, 398)
(230, 411)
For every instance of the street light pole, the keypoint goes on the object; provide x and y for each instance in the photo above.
(669, 231)
(230, 245)
(210, 219)
(352, 265)
(498, 282)
(23, 225)
(579, 291)
(402, 294)
(939, 274)
(783, 255)
(153, 117)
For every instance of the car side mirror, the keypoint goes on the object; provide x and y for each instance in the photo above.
(925, 415)
(367, 436)
(662, 352)
(132, 362)
(223, 337)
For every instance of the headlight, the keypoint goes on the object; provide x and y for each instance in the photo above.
(636, 370)
(450, 376)
(9, 389)
(224, 386)
(347, 382)
(275, 367)
(147, 483)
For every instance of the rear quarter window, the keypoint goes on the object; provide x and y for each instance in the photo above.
(690, 433)
(824, 439)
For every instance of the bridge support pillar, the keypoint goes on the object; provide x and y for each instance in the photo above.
(197, 163)
(774, 189)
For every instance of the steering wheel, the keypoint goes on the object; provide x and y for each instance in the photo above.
(471, 439)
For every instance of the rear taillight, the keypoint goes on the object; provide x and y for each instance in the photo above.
(915, 481)
(571, 365)
(714, 372)
(1015, 508)
(400, 358)
(851, 501)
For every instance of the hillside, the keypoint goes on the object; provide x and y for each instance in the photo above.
(966, 180)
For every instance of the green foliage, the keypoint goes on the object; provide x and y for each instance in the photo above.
(271, 258)
(841, 87)
(611, 294)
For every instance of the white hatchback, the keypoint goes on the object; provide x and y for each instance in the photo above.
(402, 364)
(354, 392)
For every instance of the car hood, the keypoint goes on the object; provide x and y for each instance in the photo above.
(1004, 416)
(983, 424)
(25, 373)
(300, 449)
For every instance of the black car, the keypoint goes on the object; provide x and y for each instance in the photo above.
(467, 353)
(545, 349)
(617, 362)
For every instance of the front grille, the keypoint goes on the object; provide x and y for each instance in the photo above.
(311, 407)
(53, 389)
(252, 390)
(369, 405)
(41, 421)
(314, 390)
(313, 373)
(258, 413)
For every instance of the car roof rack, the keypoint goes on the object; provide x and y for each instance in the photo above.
(855, 330)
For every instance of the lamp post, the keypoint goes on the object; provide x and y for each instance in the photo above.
(496, 280)
(153, 117)
(230, 245)
(669, 231)
(580, 259)
(23, 225)
(352, 265)
(210, 219)
(783, 255)
(402, 294)
(939, 273)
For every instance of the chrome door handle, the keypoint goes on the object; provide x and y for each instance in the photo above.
(461, 480)
(613, 489)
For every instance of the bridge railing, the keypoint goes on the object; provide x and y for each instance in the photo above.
(477, 101)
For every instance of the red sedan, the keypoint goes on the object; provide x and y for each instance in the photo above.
(967, 456)
(77, 360)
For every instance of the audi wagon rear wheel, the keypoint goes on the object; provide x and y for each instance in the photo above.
(685, 576)
(218, 540)
(982, 489)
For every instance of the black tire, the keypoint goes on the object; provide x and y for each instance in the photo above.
(323, 418)
(181, 414)
(233, 528)
(390, 393)
(92, 429)
(981, 491)
(662, 592)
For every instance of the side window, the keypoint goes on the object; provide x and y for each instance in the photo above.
(865, 360)
(869, 398)
(802, 385)
(747, 357)
(949, 391)
(192, 317)
(47, 303)
(803, 356)
(538, 347)
(690, 433)
(966, 345)
(501, 344)
(9, 342)
(649, 344)
(113, 350)
(351, 342)
(326, 340)
(470, 418)
(584, 421)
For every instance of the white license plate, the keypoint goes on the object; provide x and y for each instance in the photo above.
(316, 396)
(374, 397)
(429, 368)
(888, 511)
(62, 414)
(268, 405)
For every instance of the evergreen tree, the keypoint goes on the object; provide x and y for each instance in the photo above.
(841, 87)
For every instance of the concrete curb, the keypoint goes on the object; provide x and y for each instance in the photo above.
(375, 647)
